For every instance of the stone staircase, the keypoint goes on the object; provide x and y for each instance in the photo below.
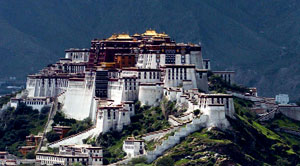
(182, 132)
(95, 130)
(76, 138)
(159, 134)
(268, 116)
(51, 114)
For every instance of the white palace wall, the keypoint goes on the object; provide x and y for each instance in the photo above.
(150, 94)
(175, 75)
(79, 99)
(216, 114)
(196, 59)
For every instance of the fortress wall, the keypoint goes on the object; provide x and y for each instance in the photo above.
(216, 116)
(196, 58)
(150, 94)
(123, 119)
(187, 85)
(202, 81)
(230, 108)
(93, 112)
(195, 125)
(115, 91)
(78, 100)
(192, 76)
(292, 112)
(76, 139)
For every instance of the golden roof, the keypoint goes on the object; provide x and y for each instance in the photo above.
(113, 37)
(150, 32)
(122, 36)
(162, 35)
(136, 34)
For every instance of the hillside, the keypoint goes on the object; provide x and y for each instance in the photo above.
(257, 39)
(247, 143)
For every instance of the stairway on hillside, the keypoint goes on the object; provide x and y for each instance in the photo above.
(195, 125)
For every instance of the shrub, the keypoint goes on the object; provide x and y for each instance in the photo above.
(30, 155)
(140, 160)
(52, 136)
(165, 161)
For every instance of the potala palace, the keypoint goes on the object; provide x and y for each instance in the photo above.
(105, 81)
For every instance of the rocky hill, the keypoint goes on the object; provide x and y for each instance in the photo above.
(257, 39)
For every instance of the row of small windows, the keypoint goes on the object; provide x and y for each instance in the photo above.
(35, 102)
(179, 71)
(73, 69)
(219, 101)
(170, 59)
(114, 114)
(58, 83)
(152, 75)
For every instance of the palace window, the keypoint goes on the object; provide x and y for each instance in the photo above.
(170, 59)
(183, 59)
(108, 113)
(227, 103)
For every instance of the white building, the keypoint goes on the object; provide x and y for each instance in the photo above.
(89, 83)
(133, 147)
(282, 99)
(34, 102)
(69, 154)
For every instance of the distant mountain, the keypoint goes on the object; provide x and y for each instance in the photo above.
(258, 39)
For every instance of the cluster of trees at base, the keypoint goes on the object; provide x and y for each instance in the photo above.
(76, 126)
(16, 124)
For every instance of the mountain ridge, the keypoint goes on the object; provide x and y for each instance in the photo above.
(257, 39)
